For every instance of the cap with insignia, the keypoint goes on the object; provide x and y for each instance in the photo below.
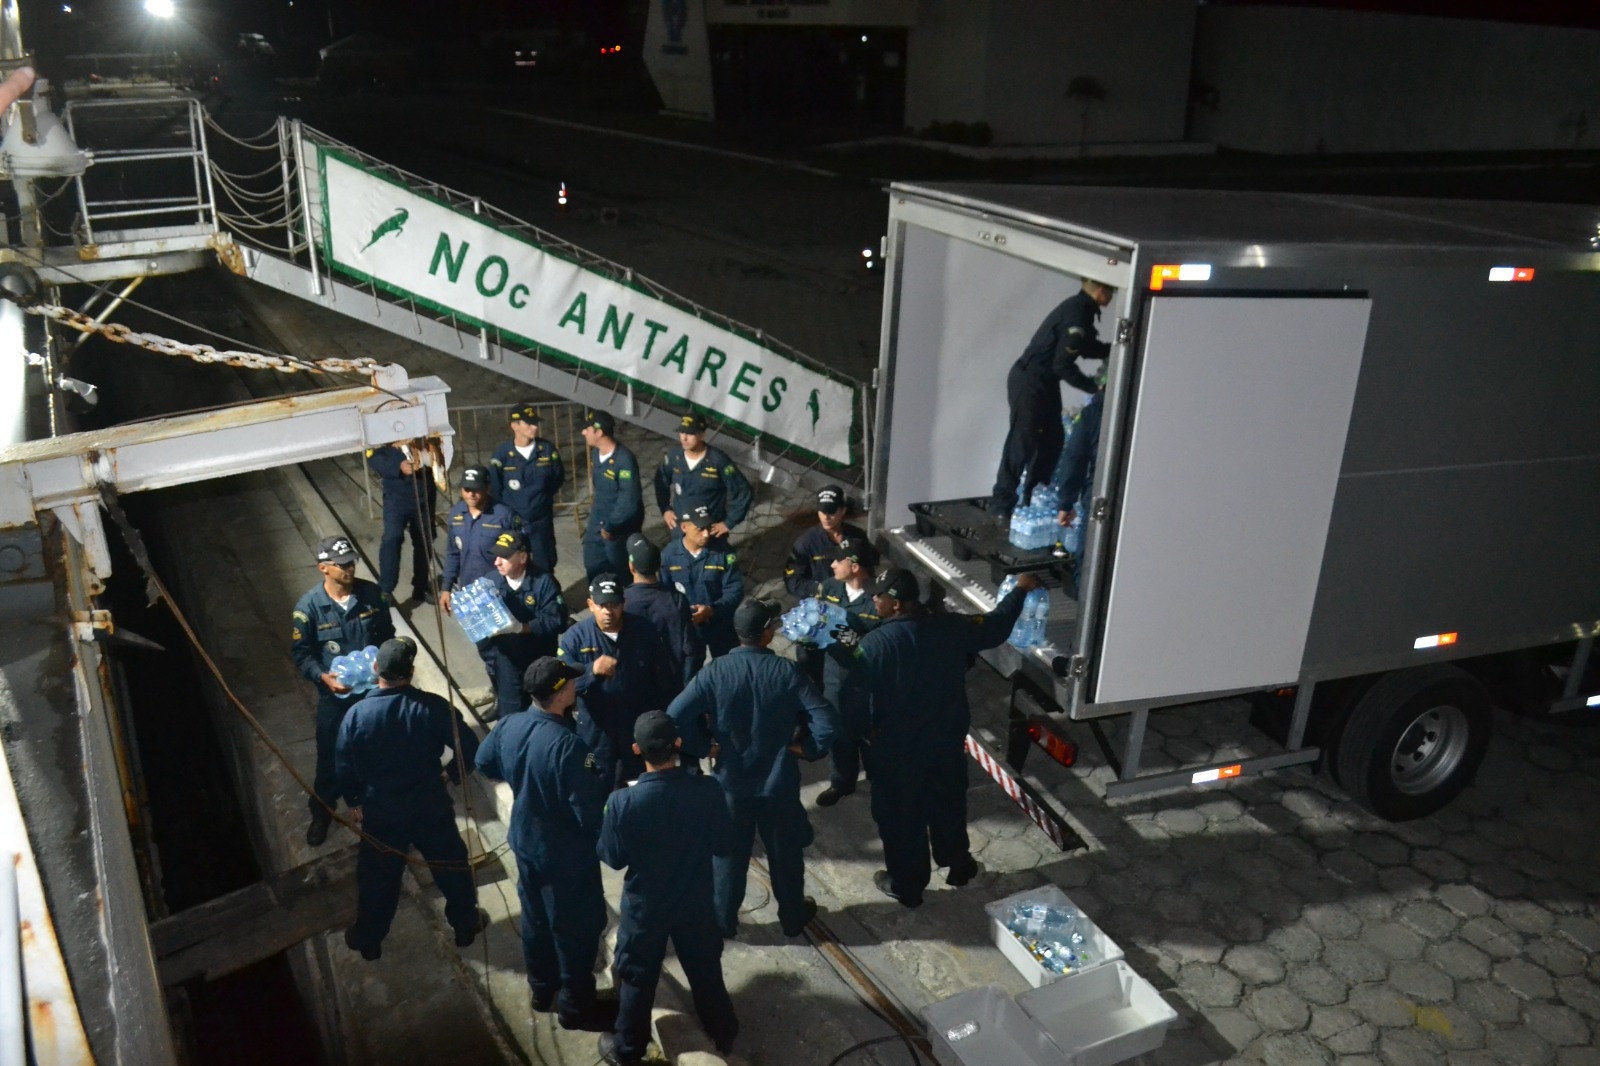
(605, 589)
(336, 550)
(475, 478)
(701, 516)
(600, 420)
(858, 550)
(830, 500)
(693, 424)
(897, 584)
(525, 412)
(508, 544)
(547, 676)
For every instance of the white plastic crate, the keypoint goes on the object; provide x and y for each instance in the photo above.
(1099, 948)
(985, 1027)
(1100, 1016)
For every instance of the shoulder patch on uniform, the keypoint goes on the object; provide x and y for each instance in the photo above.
(729, 469)
(369, 453)
(591, 764)
(561, 653)
(301, 616)
(624, 474)
(732, 558)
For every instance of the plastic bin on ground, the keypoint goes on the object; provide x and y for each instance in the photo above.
(1097, 948)
(1100, 1016)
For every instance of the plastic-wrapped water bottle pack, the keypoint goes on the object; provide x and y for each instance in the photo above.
(1029, 632)
(1033, 524)
(479, 610)
(1051, 935)
(355, 671)
(812, 621)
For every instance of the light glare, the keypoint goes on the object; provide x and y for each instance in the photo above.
(161, 9)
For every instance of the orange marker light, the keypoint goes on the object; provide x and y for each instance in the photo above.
(1435, 640)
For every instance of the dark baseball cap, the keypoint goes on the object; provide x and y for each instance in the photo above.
(655, 733)
(525, 412)
(600, 420)
(859, 549)
(702, 516)
(692, 423)
(643, 555)
(830, 500)
(476, 478)
(754, 617)
(509, 543)
(605, 588)
(336, 550)
(396, 659)
(896, 583)
(546, 676)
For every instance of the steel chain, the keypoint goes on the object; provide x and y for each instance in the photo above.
(200, 353)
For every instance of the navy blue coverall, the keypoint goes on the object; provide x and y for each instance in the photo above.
(714, 482)
(847, 693)
(321, 631)
(753, 705)
(528, 485)
(806, 568)
(712, 578)
(468, 540)
(388, 757)
(608, 706)
(915, 668)
(558, 797)
(1033, 391)
(665, 831)
(1074, 480)
(408, 505)
(669, 610)
(617, 510)
(537, 604)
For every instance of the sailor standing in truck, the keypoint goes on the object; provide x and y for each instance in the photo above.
(1033, 392)
(524, 474)
(697, 475)
(617, 510)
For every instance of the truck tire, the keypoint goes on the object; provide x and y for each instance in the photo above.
(1413, 741)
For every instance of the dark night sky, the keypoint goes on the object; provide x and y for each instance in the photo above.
(1548, 12)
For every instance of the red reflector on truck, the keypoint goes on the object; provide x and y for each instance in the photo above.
(1057, 747)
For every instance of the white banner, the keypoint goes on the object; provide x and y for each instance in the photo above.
(380, 231)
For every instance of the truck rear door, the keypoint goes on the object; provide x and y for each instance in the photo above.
(1239, 410)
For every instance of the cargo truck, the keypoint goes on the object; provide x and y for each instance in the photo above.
(1349, 464)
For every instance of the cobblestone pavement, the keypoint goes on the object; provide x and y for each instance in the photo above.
(1286, 925)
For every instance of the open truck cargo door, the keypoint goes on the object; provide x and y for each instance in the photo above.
(1240, 408)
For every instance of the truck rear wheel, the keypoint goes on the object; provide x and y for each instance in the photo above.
(1413, 741)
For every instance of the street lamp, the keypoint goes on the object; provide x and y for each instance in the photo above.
(161, 9)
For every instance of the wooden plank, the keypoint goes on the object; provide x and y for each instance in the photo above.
(256, 922)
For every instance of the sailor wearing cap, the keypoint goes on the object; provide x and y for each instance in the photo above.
(699, 565)
(914, 665)
(626, 671)
(617, 510)
(524, 474)
(664, 831)
(761, 712)
(470, 530)
(538, 618)
(409, 497)
(665, 606)
(697, 475)
(853, 564)
(390, 746)
(555, 825)
(341, 615)
(810, 561)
